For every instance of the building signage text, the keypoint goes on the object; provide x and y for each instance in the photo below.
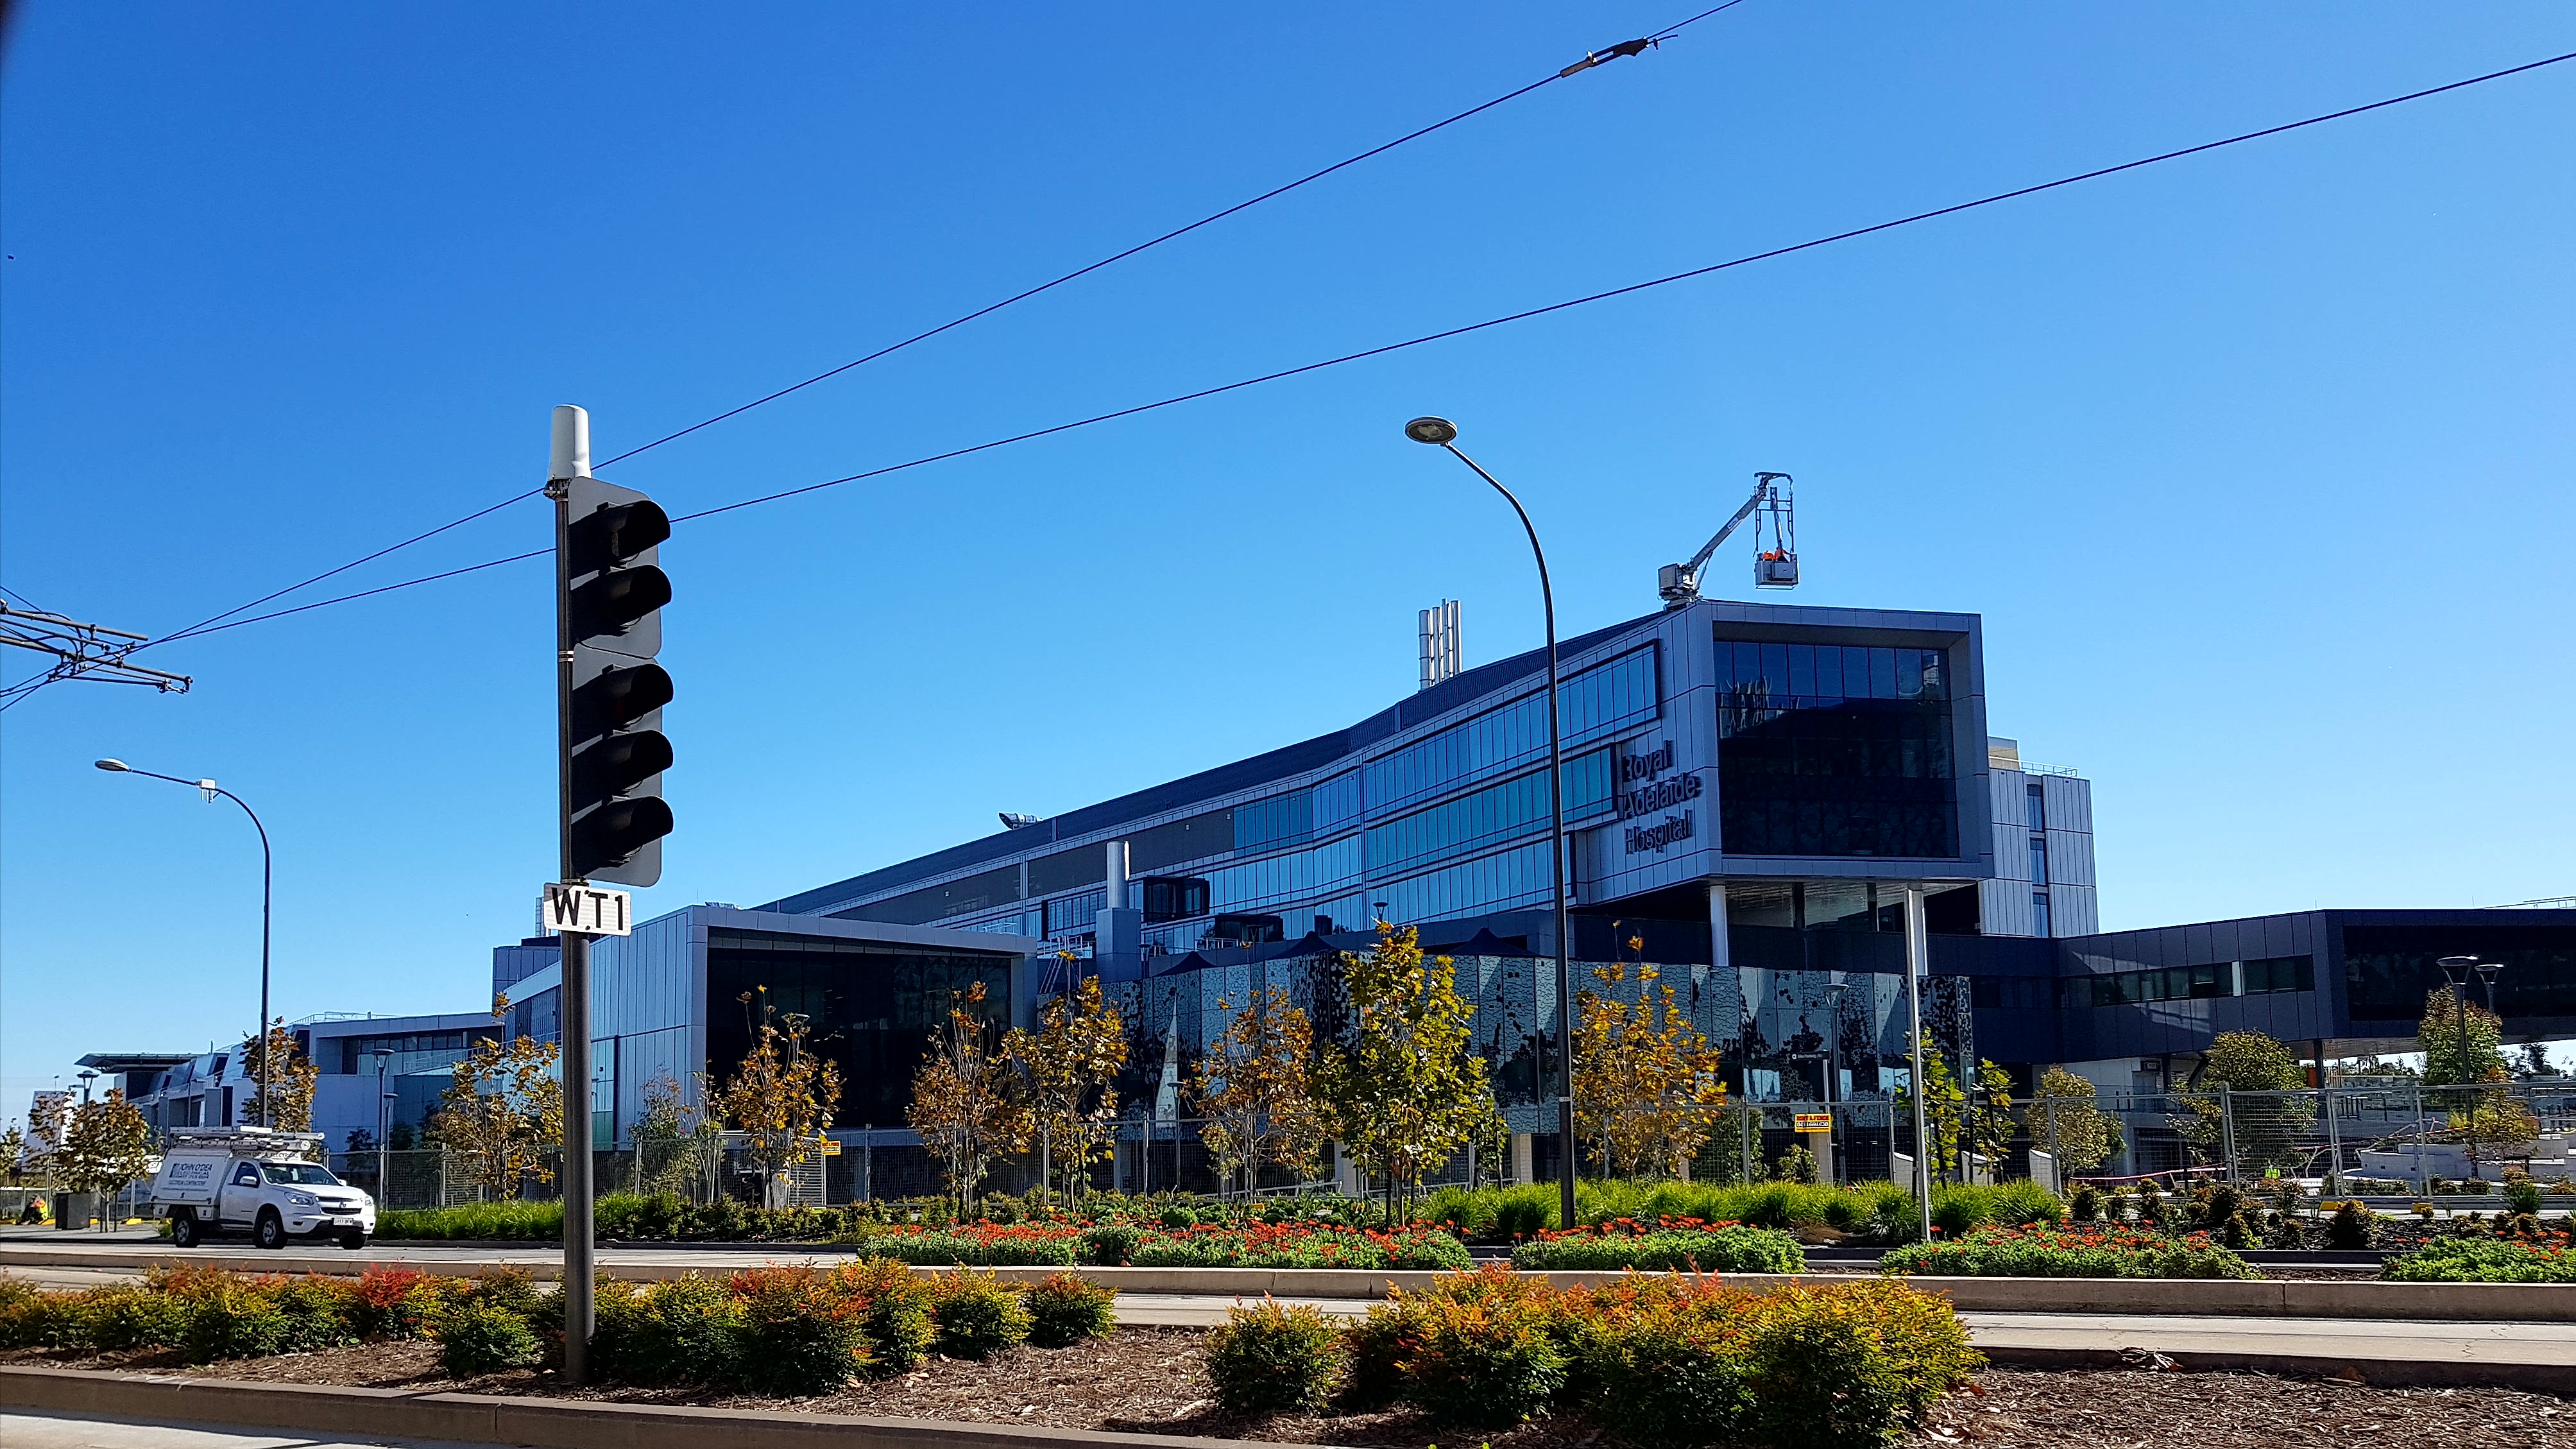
(1642, 790)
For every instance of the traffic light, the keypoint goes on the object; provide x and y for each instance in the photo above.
(614, 751)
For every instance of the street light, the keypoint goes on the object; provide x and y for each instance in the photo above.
(384, 1127)
(267, 876)
(86, 1078)
(2455, 970)
(1442, 433)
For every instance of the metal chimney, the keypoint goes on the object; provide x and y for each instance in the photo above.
(1440, 651)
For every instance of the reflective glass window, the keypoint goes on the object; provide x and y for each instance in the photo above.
(1609, 696)
(2039, 913)
(1803, 772)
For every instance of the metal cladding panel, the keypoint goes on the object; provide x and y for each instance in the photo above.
(2073, 910)
(2070, 858)
(2068, 801)
(2005, 909)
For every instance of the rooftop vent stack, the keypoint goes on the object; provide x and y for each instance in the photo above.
(1440, 651)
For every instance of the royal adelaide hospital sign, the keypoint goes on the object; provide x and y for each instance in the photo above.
(1643, 790)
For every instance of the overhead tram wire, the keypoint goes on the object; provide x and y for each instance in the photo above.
(1631, 288)
(1591, 60)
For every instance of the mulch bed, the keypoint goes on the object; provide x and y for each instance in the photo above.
(1149, 1380)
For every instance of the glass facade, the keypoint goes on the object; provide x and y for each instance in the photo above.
(2388, 970)
(2190, 983)
(873, 1007)
(1488, 816)
(1607, 697)
(1835, 750)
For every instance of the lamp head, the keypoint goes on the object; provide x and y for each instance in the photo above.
(114, 766)
(1435, 431)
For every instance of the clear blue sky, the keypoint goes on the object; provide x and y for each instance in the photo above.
(2257, 464)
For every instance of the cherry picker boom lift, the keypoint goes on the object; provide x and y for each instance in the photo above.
(1774, 513)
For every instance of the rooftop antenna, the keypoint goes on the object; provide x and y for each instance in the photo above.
(1774, 512)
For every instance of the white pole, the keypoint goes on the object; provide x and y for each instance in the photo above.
(1915, 956)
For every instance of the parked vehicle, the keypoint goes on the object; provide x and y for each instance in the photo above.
(220, 1180)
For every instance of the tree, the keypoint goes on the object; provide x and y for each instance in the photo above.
(781, 1097)
(1644, 1076)
(1402, 1091)
(2265, 1126)
(2482, 1110)
(1943, 1114)
(1256, 1086)
(673, 1146)
(961, 1103)
(400, 1138)
(1990, 1128)
(296, 1079)
(2067, 1122)
(13, 1153)
(503, 1109)
(106, 1145)
(1067, 1065)
(2533, 1061)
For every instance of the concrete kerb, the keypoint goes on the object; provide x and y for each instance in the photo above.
(536, 1423)
(2287, 1298)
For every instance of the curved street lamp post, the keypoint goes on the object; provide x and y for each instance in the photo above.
(1441, 433)
(267, 877)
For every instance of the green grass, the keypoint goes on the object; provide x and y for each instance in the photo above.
(528, 1220)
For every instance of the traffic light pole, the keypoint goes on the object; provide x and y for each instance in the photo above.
(571, 460)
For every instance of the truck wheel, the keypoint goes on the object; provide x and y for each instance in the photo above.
(271, 1232)
(352, 1241)
(183, 1229)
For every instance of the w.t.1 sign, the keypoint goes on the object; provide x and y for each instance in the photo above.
(591, 910)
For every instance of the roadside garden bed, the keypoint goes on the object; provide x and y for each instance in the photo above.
(2091, 1251)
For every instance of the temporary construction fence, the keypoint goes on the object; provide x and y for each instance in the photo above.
(2393, 1135)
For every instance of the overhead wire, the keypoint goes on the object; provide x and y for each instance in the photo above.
(1491, 322)
(1590, 60)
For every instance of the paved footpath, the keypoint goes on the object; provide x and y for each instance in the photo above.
(66, 1431)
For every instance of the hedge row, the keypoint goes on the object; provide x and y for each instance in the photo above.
(2083, 1251)
(1881, 1212)
(768, 1330)
(1661, 1362)
(2485, 1260)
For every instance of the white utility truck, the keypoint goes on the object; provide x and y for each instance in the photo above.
(217, 1180)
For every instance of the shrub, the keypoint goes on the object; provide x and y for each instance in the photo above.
(509, 1288)
(897, 1320)
(1179, 1216)
(1960, 1208)
(317, 1312)
(1110, 1245)
(1525, 1211)
(28, 1317)
(2477, 1187)
(479, 1337)
(1728, 1248)
(2522, 1195)
(982, 1245)
(977, 1315)
(2352, 1226)
(1271, 1358)
(2044, 1252)
(1064, 1309)
(1374, 1348)
(678, 1331)
(802, 1332)
(122, 1317)
(2085, 1206)
(2484, 1260)
(392, 1303)
(1487, 1360)
(232, 1319)
(1839, 1367)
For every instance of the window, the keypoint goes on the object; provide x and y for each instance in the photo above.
(1076, 913)
(2389, 969)
(932, 903)
(246, 1175)
(1828, 750)
(2038, 861)
(2039, 913)
(1491, 815)
(2280, 973)
(2038, 808)
(1609, 696)
(1174, 898)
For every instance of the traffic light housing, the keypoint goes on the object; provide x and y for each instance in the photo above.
(611, 597)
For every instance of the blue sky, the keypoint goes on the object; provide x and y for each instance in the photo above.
(2256, 464)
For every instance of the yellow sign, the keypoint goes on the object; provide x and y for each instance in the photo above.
(831, 1147)
(1815, 1121)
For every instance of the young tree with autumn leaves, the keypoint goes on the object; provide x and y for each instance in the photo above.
(502, 1110)
(1255, 1084)
(1401, 1090)
(1645, 1078)
(962, 1101)
(296, 1078)
(1066, 1068)
(781, 1097)
(104, 1147)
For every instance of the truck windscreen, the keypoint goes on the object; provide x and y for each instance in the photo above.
(299, 1174)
